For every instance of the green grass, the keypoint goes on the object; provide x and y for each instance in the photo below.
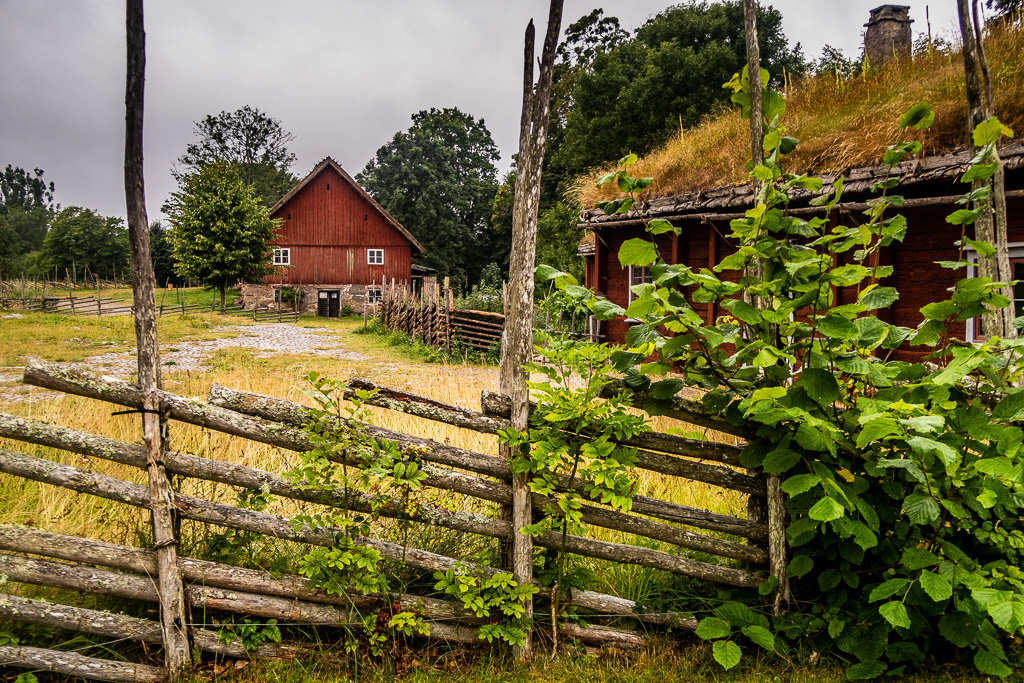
(74, 338)
(691, 662)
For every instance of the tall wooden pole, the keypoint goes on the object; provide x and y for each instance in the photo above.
(517, 339)
(172, 596)
(991, 224)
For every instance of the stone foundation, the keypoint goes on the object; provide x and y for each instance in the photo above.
(265, 297)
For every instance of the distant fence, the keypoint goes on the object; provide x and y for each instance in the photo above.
(127, 571)
(429, 315)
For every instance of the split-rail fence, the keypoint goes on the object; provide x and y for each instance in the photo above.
(733, 551)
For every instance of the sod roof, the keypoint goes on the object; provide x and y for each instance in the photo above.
(843, 125)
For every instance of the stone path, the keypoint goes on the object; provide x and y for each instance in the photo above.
(266, 339)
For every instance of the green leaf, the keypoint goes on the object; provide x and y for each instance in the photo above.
(887, 589)
(1010, 408)
(865, 670)
(989, 131)
(659, 226)
(988, 663)
(820, 385)
(761, 636)
(921, 508)
(964, 216)
(875, 430)
(800, 565)
(605, 310)
(936, 586)
(727, 653)
(637, 252)
(896, 614)
(665, 389)
(741, 310)
(1008, 615)
(800, 483)
(958, 628)
(780, 460)
(711, 628)
(880, 297)
(918, 558)
(919, 117)
(826, 510)
(836, 327)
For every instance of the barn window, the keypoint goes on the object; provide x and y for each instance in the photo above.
(282, 257)
(638, 276)
(374, 295)
(375, 257)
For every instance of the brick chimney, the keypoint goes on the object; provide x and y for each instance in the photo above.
(888, 35)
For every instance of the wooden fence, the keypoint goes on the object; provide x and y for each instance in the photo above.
(101, 306)
(127, 572)
(429, 315)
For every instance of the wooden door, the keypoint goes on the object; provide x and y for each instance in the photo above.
(328, 304)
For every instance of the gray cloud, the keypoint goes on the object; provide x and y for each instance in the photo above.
(343, 76)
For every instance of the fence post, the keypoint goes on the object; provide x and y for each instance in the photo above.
(173, 612)
(777, 546)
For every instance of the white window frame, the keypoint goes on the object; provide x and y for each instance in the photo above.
(370, 257)
(1015, 250)
(646, 278)
(374, 295)
(282, 256)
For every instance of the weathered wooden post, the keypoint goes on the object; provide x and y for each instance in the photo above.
(517, 338)
(776, 502)
(173, 615)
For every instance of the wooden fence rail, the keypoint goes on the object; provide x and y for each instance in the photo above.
(293, 599)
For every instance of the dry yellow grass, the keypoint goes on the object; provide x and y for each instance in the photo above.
(840, 123)
(63, 511)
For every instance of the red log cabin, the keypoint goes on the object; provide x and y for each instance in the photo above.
(931, 190)
(335, 246)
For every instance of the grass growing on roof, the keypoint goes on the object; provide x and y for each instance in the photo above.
(841, 123)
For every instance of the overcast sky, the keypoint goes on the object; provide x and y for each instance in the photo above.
(342, 76)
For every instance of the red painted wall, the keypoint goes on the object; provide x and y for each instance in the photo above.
(328, 226)
(917, 277)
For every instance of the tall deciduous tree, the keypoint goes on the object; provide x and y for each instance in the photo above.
(220, 231)
(438, 180)
(23, 190)
(162, 255)
(79, 238)
(636, 93)
(253, 143)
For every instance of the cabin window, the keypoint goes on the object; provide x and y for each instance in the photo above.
(375, 257)
(374, 295)
(282, 257)
(1016, 250)
(638, 276)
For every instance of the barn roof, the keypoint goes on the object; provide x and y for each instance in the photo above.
(331, 163)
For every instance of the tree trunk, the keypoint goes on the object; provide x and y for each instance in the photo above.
(517, 340)
(991, 224)
(172, 600)
(223, 299)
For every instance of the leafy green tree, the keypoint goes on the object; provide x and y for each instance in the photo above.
(220, 233)
(26, 207)
(255, 144)
(162, 255)
(79, 238)
(635, 93)
(438, 179)
(23, 190)
(834, 63)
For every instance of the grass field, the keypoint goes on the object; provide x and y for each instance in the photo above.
(379, 359)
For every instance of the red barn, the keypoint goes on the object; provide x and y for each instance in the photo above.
(335, 246)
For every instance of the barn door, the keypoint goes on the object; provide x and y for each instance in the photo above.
(323, 303)
(334, 307)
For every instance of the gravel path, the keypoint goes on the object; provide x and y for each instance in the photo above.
(266, 339)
